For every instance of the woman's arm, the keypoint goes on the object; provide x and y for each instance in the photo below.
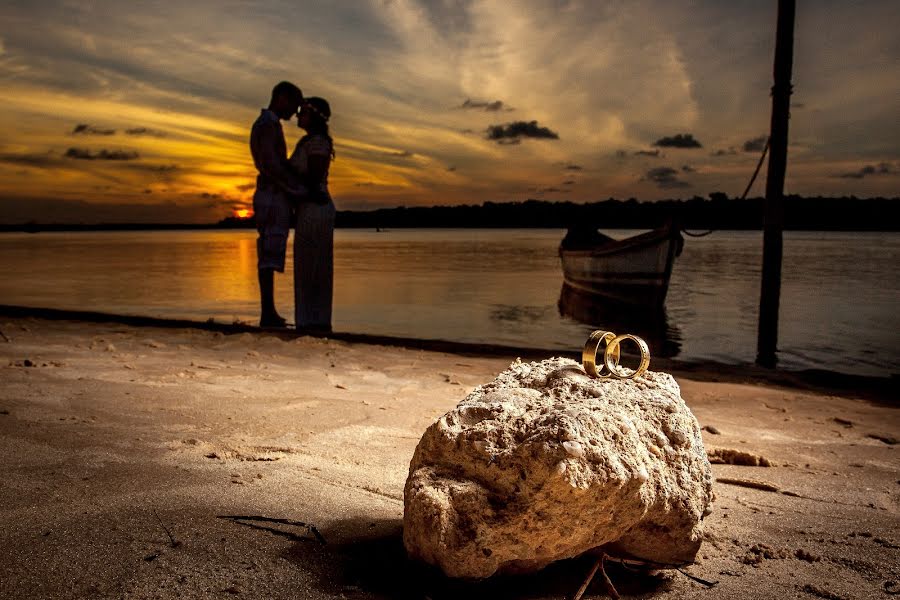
(317, 168)
(318, 159)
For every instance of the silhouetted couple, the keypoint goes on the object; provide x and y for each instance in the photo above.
(294, 191)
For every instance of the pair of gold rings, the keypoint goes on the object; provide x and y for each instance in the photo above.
(609, 367)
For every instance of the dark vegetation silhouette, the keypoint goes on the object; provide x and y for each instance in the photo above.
(716, 212)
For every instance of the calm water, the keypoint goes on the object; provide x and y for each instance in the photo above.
(838, 307)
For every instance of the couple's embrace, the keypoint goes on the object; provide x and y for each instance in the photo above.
(294, 191)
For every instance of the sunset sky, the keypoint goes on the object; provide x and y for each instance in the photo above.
(140, 111)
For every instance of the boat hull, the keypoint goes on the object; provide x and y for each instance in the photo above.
(631, 271)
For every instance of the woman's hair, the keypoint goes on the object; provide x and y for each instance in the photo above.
(320, 112)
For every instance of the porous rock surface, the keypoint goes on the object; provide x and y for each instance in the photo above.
(545, 463)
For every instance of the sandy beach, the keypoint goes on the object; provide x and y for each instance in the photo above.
(143, 462)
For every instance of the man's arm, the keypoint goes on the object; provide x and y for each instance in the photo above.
(272, 163)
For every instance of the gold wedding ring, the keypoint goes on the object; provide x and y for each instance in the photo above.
(614, 367)
(589, 353)
(609, 366)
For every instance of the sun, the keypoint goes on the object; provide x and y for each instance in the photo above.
(242, 213)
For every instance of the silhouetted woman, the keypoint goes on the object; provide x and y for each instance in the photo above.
(314, 235)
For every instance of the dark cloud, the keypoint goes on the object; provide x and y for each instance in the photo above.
(215, 200)
(40, 161)
(680, 140)
(488, 106)
(159, 173)
(868, 170)
(85, 129)
(571, 167)
(246, 187)
(365, 184)
(84, 154)
(621, 154)
(756, 144)
(150, 168)
(666, 178)
(569, 182)
(145, 131)
(549, 190)
(688, 169)
(451, 169)
(512, 133)
(653, 153)
(720, 152)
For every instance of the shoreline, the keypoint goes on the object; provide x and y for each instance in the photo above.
(880, 389)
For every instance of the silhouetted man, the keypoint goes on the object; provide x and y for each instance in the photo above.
(271, 205)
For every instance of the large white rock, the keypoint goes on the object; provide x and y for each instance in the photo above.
(545, 463)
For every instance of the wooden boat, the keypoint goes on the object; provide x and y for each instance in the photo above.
(633, 271)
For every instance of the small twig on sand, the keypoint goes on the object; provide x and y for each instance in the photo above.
(311, 528)
(748, 483)
(708, 584)
(175, 543)
(610, 588)
(5, 339)
(598, 566)
(587, 581)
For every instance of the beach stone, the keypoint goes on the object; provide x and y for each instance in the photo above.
(545, 463)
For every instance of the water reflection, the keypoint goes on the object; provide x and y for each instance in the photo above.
(651, 324)
(490, 286)
(520, 314)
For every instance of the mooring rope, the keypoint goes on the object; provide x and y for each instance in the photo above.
(705, 233)
(743, 196)
(756, 172)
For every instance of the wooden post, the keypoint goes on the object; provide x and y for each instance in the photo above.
(770, 292)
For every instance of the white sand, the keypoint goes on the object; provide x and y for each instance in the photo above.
(114, 425)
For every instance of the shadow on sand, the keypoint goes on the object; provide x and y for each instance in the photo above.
(368, 559)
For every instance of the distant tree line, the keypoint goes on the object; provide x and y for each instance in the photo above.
(697, 213)
(716, 212)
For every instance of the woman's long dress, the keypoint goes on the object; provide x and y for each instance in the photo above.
(313, 245)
